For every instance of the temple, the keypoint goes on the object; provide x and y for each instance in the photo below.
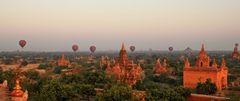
(235, 54)
(124, 70)
(203, 70)
(63, 62)
(160, 68)
(16, 95)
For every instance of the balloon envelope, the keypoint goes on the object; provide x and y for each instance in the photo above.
(236, 44)
(92, 49)
(74, 48)
(170, 49)
(132, 48)
(188, 51)
(22, 43)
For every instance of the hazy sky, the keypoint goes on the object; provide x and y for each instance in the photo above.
(54, 25)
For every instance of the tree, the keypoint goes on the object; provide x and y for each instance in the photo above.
(42, 66)
(32, 75)
(54, 91)
(74, 78)
(206, 88)
(91, 77)
(86, 91)
(163, 92)
(164, 78)
(116, 93)
(9, 76)
(57, 70)
(24, 63)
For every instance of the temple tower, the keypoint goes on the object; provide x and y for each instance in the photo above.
(160, 68)
(203, 59)
(63, 62)
(236, 54)
(123, 57)
(125, 70)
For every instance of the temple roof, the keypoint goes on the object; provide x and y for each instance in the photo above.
(203, 62)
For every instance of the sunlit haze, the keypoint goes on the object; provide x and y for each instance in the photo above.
(54, 25)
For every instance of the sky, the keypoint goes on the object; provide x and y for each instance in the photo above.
(54, 25)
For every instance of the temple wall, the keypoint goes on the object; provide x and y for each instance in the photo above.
(191, 78)
(199, 97)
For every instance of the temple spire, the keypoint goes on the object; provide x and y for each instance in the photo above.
(186, 63)
(165, 62)
(123, 57)
(235, 53)
(202, 52)
(123, 47)
(158, 63)
(223, 63)
(108, 69)
(236, 49)
(214, 63)
(202, 49)
(108, 64)
(63, 57)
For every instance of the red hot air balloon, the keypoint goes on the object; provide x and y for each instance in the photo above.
(92, 49)
(75, 47)
(170, 49)
(132, 48)
(22, 43)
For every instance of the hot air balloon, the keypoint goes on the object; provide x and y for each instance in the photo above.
(170, 49)
(236, 44)
(92, 49)
(188, 51)
(22, 43)
(132, 48)
(74, 47)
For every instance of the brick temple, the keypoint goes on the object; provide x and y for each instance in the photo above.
(202, 70)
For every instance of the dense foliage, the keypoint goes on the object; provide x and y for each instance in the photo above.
(206, 88)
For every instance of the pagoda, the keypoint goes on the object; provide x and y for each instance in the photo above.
(63, 62)
(203, 71)
(124, 70)
(235, 53)
(160, 68)
(17, 94)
